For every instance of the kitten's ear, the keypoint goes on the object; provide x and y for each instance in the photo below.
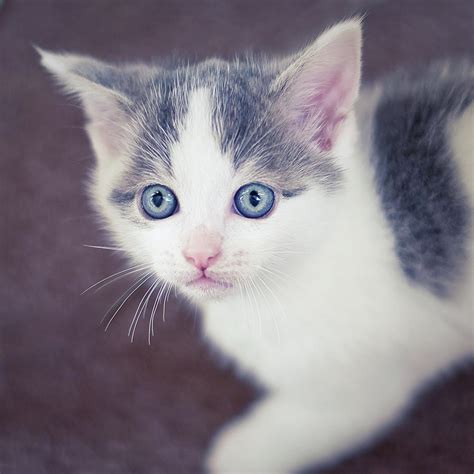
(97, 85)
(319, 87)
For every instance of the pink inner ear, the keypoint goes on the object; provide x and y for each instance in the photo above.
(106, 120)
(326, 100)
(324, 85)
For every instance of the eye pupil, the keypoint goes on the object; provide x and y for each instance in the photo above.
(157, 199)
(254, 198)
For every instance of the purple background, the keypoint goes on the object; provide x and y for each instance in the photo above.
(75, 399)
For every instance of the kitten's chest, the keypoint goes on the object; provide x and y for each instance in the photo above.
(361, 319)
(262, 343)
(276, 340)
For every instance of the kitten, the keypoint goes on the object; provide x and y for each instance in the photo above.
(328, 242)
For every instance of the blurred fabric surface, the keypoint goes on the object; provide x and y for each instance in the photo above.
(74, 399)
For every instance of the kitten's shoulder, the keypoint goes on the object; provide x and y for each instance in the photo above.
(409, 117)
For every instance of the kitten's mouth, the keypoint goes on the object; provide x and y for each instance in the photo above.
(205, 282)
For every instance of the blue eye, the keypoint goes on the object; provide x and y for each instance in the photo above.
(254, 200)
(159, 202)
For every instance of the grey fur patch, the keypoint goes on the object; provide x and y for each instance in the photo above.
(155, 105)
(415, 174)
(159, 111)
(121, 198)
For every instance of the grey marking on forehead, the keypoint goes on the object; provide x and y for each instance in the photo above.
(244, 120)
(158, 114)
(155, 102)
(158, 109)
(251, 130)
(416, 177)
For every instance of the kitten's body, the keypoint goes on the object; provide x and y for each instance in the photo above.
(339, 362)
(356, 290)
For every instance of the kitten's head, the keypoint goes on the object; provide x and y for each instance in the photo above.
(218, 173)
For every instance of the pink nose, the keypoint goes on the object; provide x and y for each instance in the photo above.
(203, 248)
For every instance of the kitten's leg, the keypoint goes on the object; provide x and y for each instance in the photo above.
(282, 434)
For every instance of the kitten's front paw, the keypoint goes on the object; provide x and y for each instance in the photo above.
(236, 450)
(225, 453)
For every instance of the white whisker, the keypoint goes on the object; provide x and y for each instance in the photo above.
(143, 280)
(151, 329)
(103, 247)
(116, 276)
(165, 300)
(141, 307)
